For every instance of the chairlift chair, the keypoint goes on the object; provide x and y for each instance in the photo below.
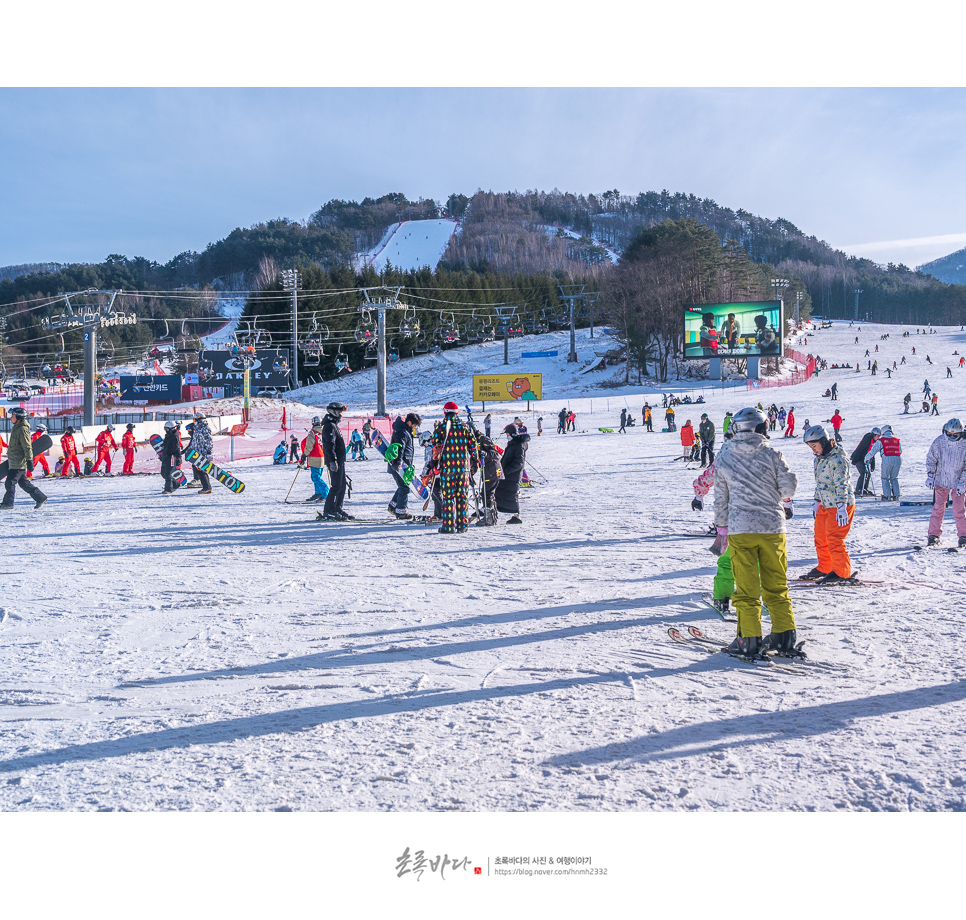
(341, 362)
(409, 325)
(366, 330)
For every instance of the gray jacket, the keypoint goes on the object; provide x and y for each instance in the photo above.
(750, 480)
(946, 463)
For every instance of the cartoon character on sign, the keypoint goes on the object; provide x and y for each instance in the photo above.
(520, 388)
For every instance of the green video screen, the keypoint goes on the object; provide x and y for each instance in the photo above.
(733, 330)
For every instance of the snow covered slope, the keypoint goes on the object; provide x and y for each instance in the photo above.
(413, 244)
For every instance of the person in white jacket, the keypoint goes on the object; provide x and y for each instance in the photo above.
(946, 474)
(753, 491)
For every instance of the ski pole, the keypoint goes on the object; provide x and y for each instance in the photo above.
(292, 486)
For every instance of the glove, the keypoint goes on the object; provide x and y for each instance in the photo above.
(697, 504)
(788, 508)
(333, 467)
(409, 475)
(842, 515)
(720, 542)
(816, 508)
(392, 451)
(930, 482)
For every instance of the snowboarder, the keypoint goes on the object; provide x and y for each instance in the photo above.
(888, 443)
(129, 446)
(707, 433)
(313, 457)
(69, 448)
(863, 463)
(20, 459)
(293, 450)
(334, 453)
(104, 443)
(833, 510)
(514, 457)
(753, 492)
(457, 459)
(201, 441)
(403, 433)
(946, 475)
(171, 452)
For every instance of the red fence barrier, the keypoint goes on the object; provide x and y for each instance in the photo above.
(806, 370)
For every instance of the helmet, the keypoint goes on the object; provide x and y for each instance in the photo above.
(316, 421)
(511, 430)
(424, 437)
(168, 425)
(130, 426)
(335, 408)
(451, 407)
(953, 429)
(815, 433)
(704, 415)
(68, 430)
(19, 412)
(41, 427)
(110, 427)
(200, 415)
(887, 431)
(876, 432)
(749, 419)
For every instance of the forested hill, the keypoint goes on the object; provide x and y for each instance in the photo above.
(951, 268)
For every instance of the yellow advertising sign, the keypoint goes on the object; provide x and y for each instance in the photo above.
(504, 387)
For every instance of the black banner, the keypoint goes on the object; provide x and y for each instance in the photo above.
(151, 388)
(220, 369)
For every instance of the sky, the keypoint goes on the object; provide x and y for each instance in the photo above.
(172, 163)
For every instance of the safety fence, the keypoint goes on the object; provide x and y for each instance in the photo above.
(805, 371)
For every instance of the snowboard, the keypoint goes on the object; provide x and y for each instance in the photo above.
(39, 446)
(382, 445)
(223, 476)
(157, 442)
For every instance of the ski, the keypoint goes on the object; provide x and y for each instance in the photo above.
(710, 601)
(223, 476)
(703, 533)
(713, 648)
(809, 665)
(853, 583)
(919, 547)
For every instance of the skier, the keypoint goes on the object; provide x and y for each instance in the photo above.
(293, 450)
(836, 421)
(726, 424)
(648, 418)
(401, 467)
(278, 458)
(949, 372)
(41, 458)
(935, 404)
(706, 430)
(201, 442)
(946, 475)
(753, 492)
(623, 421)
(170, 456)
(863, 463)
(669, 418)
(833, 510)
(492, 475)
(687, 440)
(905, 403)
(457, 460)
(724, 580)
(790, 430)
(366, 432)
(20, 459)
(312, 456)
(357, 445)
(572, 421)
(888, 443)
(835, 391)
(129, 446)
(334, 452)
(514, 457)
(539, 426)
(70, 452)
(105, 442)
(562, 421)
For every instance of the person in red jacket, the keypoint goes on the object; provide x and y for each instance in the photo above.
(687, 438)
(40, 459)
(129, 446)
(836, 421)
(790, 423)
(70, 453)
(105, 442)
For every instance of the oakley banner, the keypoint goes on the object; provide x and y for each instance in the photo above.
(220, 369)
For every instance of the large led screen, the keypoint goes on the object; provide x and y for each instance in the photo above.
(733, 330)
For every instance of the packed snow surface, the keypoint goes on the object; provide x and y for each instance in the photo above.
(412, 244)
(226, 653)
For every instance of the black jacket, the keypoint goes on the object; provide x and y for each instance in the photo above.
(858, 455)
(171, 448)
(508, 490)
(402, 436)
(333, 444)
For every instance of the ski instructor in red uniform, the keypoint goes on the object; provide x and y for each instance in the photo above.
(70, 452)
(105, 442)
(129, 446)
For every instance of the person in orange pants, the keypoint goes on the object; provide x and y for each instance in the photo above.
(40, 459)
(70, 453)
(129, 446)
(105, 442)
(833, 511)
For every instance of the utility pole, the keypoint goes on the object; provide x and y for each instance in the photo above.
(380, 305)
(572, 292)
(291, 280)
(91, 314)
(590, 300)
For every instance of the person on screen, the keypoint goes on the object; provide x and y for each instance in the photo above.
(708, 336)
(731, 331)
(765, 337)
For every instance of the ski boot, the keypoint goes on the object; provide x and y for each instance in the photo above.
(784, 644)
(832, 579)
(962, 542)
(722, 605)
(934, 541)
(814, 575)
(746, 646)
(402, 515)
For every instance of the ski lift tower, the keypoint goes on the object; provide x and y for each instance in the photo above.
(88, 311)
(506, 314)
(572, 292)
(380, 305)
(290, 281)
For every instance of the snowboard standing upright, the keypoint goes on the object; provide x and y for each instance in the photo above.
(39, 446)
(157, 442)
(382, 445)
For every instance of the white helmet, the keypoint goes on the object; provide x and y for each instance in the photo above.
(953, 429)
(815, 433)
(748, 420)
(168, 425)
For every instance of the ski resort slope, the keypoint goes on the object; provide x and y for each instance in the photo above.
(412, 244)
(227, 654)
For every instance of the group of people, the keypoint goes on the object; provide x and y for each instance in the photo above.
(566, 421)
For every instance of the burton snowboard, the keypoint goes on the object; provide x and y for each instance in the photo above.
(223, 476)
